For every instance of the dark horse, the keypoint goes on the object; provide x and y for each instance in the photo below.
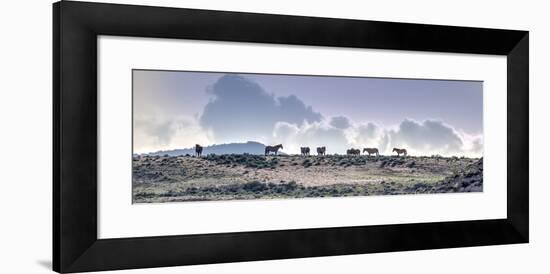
(400, 151)
(371, 151)
(304, 151)
(321, 150)
(274, 149)
(198, 150)
(353, 151)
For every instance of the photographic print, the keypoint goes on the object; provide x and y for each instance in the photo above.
(213, 136)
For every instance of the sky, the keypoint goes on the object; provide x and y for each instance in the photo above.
(178, 109)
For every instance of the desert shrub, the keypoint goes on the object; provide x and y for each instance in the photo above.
(241, 160)
(292, 185)
(254, 186)
(144, 195)
(233, 188)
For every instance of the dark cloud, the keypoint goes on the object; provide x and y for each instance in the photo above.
(340, 122)
(429, 135)
(241, 107)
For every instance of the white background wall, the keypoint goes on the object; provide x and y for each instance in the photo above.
(25, 139)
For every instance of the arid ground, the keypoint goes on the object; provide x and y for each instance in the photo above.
(242, 176)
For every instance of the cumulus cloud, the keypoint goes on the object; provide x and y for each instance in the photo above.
(369, 135)
(340, 122)
(158, 133)
(427, 136)
(161, 131)
(314, 135)
(477, 145)
(240, 110)
(240, 107)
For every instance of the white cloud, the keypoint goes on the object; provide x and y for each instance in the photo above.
(157, 133)
(313, 135)
(368, 135)
(434, 137)
(240, 110)
(428, 137)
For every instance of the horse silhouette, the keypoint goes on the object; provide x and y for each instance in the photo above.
(400, 151)
(321, 150)
(304, 151)
(274, 149)
(198, 150)
(371, 151)
(353, 151)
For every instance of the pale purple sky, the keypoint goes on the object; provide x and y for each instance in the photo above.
(208, 104)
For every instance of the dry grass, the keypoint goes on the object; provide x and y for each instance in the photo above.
(229, 177)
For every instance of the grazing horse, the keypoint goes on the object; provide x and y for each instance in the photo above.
(198, 150)
(353, 151)
(321, 150)
(274, 149)
(400, 151)
(304, 151)
(371, 151)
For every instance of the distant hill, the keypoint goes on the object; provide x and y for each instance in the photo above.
(232, 148)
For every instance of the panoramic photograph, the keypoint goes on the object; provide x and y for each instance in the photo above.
(217, 136)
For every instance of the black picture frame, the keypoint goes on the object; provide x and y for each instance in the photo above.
(76, 246)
